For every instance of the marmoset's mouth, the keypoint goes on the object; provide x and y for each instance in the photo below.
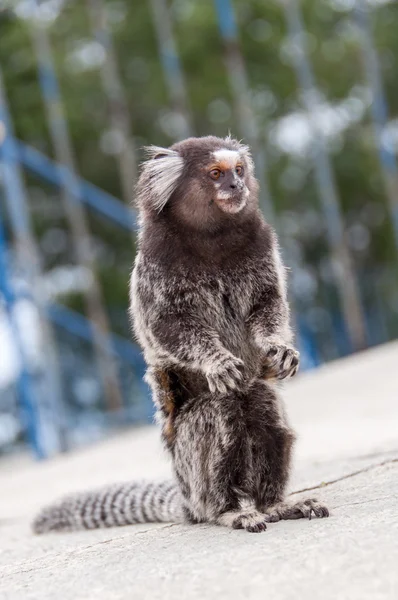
(230, 203)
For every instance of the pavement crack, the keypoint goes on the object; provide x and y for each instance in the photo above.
(347, 476)
(43, 563)
(157, 528)
(365, 501)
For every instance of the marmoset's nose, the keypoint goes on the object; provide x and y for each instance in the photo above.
(232, 185)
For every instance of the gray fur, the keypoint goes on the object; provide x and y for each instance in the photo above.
(209, 307)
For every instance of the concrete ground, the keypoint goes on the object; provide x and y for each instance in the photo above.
(346, 415)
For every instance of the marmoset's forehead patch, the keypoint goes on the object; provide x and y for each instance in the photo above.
(226, 159)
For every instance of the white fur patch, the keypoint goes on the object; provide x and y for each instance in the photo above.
(247, 505)
(221, 195)
(230, 157)
(227, 518)
(232, 208)
(162, 174)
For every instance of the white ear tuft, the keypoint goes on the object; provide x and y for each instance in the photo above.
(160, 175)
(158, 152)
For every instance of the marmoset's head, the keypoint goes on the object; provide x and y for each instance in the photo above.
(199, 181)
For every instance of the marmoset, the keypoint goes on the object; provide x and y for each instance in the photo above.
(209, 309)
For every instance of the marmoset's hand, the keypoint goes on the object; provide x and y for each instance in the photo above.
(281, 360)
(225, 372)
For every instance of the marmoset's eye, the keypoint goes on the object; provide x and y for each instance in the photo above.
(239, 170)
(215, 174)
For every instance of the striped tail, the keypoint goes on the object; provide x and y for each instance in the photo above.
(120, 504)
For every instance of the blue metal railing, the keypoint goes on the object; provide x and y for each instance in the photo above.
(102, 202)
(27, 391)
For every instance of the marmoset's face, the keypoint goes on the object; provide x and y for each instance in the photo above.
(217, 182)
(203, 183)
(227, 173)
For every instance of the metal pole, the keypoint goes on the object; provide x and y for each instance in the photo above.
(26, 386)
(343, 267)
(28, 259)
(240, 89)
(117, 104)
(171, 66)
(379, 111)
(75, 213)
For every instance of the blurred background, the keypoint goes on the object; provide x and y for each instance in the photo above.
(311, 86)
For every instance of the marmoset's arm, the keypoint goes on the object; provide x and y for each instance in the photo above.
(269, 321)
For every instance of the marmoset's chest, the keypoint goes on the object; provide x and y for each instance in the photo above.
(232, 293)
(236, 293)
